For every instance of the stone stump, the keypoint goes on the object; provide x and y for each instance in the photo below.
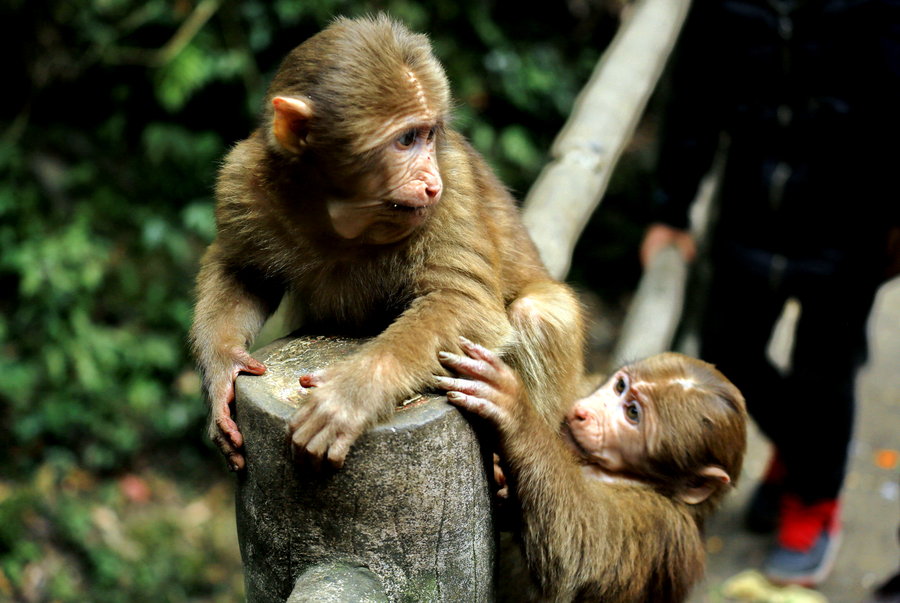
(408, 517)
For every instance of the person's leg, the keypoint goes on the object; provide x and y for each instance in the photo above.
(744, 303)
(829, 346)
(746, 298)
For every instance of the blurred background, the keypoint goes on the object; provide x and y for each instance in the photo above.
(114, 118)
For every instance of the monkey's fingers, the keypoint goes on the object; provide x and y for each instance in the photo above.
(254, 367)
(221, 398)
(304, 431)
(479, 352)
(316, 449)
(479, 389)
(311, 379)
(499, 475)
(328, 444)
(306, 425)
(229, 429)
(501, 375)
(223, 442)
(337, 452)
(470, 367)
(235, 460)
(247, 363)
(477, 406)
(299, 417)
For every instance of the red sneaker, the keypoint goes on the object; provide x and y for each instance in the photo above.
(808, 538)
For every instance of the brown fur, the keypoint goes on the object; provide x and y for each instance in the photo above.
(619, 538)
(702, 426)
(456, 274)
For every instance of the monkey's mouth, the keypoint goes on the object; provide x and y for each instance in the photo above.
(402, 208)
(405, 201)
(402, 211)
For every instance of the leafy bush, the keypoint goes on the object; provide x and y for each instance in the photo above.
(108, 151)
(107, 173)
(68, 537)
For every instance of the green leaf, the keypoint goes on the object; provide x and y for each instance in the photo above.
(519, 148)
(181, 77)
(199, 218)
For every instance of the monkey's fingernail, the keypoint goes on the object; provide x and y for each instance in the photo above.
(465, 341)
(445, 355)
(441, 380)
(455, 396)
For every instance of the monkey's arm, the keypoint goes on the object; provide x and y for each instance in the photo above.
(354, 394)
(231, 307)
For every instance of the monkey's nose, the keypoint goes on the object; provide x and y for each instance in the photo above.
(579, 413)
(433, 189)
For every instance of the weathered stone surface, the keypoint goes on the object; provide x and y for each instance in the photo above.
(411, 504)
(337, 583)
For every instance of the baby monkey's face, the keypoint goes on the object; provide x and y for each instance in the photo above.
(611, 427)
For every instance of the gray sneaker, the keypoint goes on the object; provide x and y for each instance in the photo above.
(808, 538)
(806, 568)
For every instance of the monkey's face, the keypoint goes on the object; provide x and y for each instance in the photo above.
(611, 427)
(384, 181)
(412, 178)
(395, 196)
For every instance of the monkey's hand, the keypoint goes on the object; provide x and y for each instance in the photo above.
(490, 390)
(223, 431)
(500, 479)
(344, 403)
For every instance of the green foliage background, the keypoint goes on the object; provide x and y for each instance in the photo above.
(115, 115)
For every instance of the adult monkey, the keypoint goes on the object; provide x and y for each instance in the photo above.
(357, 199)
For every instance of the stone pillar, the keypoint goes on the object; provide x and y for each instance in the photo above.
(408, 518)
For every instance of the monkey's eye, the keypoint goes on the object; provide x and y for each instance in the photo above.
(430, 134)
(620, 386)
(407, 138)
(633, 412)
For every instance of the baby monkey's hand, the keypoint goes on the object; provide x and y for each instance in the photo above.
(490, 388)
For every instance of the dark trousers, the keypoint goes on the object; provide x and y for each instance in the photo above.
(808, 413)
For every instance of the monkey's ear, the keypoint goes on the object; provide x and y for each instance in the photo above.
(291, 123)
(712, 478)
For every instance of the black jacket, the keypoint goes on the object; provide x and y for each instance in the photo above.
(808, 94)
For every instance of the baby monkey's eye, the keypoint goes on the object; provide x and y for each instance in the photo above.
(431, 134)
(620, 386)
(633, 412)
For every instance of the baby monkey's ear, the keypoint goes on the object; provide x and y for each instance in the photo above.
(709, 479)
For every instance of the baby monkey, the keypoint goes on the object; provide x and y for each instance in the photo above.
(612, 505)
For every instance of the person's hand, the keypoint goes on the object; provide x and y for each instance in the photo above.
(660, 236)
